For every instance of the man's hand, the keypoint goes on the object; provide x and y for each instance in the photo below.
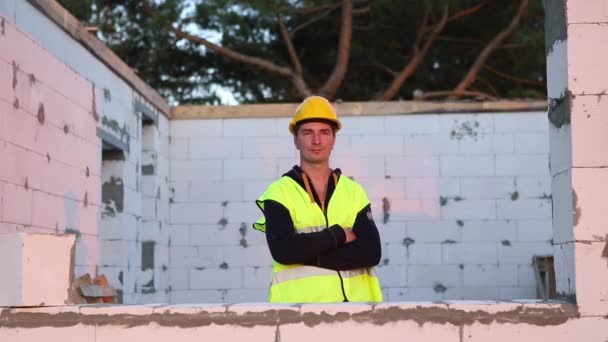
(350, 235)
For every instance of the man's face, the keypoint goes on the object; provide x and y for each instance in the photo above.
(315, 140)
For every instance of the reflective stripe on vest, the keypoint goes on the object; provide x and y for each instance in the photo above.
(311, 271)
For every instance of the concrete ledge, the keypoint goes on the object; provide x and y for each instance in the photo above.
(356, 109)
(442, 321)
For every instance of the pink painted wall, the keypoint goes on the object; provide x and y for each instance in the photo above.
(49, 151)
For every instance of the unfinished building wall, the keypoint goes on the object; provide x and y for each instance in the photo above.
(49, 150)
(462, 202)
(100, 130)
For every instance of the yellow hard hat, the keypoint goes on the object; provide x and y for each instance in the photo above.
(314, 107)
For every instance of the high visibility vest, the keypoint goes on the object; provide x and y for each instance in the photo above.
(306, 284)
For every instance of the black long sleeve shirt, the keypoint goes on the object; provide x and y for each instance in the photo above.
(326, 248)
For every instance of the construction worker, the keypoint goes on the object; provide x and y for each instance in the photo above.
(318, 223)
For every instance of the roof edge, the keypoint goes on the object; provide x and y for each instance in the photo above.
(64, 19)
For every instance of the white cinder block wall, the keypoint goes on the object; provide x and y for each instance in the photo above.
(462, 202)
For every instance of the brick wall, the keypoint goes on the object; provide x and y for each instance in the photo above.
(469, 198)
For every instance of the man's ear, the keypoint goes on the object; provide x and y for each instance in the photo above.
(295, 141)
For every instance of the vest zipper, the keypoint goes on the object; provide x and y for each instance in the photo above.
(324, 209)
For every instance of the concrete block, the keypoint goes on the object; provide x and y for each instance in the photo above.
(246, 296)
(431, 187)
(29, 260)
(216, 191)
(411, 124)
(178, 278)
(477, 293)
(517, 292)
(434, 231)
(490, 275)
(210, 257)
(189, 170)
(586, 70)
(257, 277)
(392, 276)
(362, 125)
(356, 166)
(267, 148)
(593, 11)
(194, 297)
(196, 213)
(392, 232)
(179, 148)
(407, 210)
(19, 209)
(342, 147)
(533, 186)
(560, 140)
(563, 209)
(215, 148)
(412, 166)
(534, 230)
(590, 261)
(195, 128)
(589, 126)
(520, 122)
(377, 189)
(523, 208)
(525, 276)
(424, 294)
(114, 253)
(470, 253)
(482, 165)
(469, 209)
(259, 127)
(523, 252)
(250, 169)
(423, 254)
(370, 145)
(179, 234)
(532, 143)
(489, 230)
(238, 256)
(589, 188)
(179, 191)
(482, 144)
(183, 256)
(209, 279)
(213, 235)
(503, 143)
(430, 144)
(241, 212)
(433, 275)
(487, 187)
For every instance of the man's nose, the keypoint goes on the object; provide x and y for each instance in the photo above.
(316, 139)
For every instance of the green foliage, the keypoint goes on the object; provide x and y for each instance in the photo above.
(383, 40)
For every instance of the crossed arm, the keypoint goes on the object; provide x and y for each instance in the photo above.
(327, 248)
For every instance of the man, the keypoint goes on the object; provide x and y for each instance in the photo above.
(318, 223)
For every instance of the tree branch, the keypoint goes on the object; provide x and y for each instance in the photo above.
(330, 9)
(450, 93)
(467, 11)
(514, 78)
(485, 53)
(292, 52)
(409, 69)
(488, 85)
(334, 81)
(256, 62)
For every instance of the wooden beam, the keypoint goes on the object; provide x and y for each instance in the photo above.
(356, 109)
(60, 16)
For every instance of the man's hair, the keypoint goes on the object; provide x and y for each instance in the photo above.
(332, 124)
